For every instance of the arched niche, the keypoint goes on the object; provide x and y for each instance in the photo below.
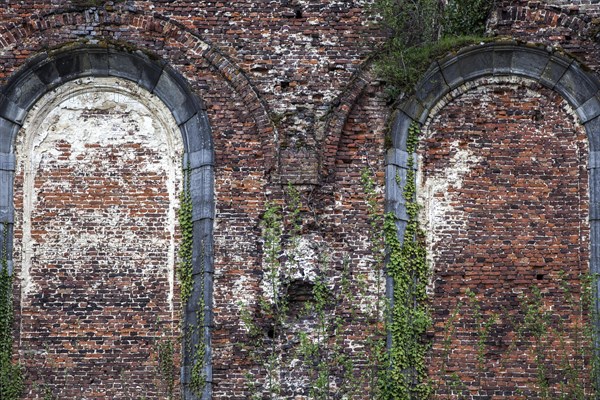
(455, 74)
(551, 69)
(50, 71)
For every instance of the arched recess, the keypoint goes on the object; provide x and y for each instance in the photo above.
(551, 69)
(50, 70)
(138, 27)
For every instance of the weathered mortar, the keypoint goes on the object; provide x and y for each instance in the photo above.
(98, 166)
(505, 189)
(271, 74)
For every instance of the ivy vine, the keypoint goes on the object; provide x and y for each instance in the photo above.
(198, 377)
(166, 365)
(186, 280)
(11, 374)
(405, 377)
(186, 245)
(320, 350)
(271, 309)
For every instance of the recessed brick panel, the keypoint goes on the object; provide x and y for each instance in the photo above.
(96, 192)
(504, 183)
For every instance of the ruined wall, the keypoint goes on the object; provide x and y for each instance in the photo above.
(291, 98)
(505, 197)
(97, 178)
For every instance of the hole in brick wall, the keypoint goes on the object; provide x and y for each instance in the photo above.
(298, 13)
(539, 277)
(271, 332)
(284, 84)
(300, 293)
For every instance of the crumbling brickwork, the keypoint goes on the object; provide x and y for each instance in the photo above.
(292, 98)
(505, 210)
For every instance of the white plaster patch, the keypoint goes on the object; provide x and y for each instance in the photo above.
(303, 261)
(432, 194)
(88, 128)
(243, 296)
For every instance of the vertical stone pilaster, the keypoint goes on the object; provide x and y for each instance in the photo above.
(203, 212)
(594, 187)
(7, 170)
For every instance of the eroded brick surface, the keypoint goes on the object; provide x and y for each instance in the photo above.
(97, 190)
(505, 188)
(290, 97)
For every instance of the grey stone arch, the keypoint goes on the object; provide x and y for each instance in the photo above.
(550, 68)
(47, 71)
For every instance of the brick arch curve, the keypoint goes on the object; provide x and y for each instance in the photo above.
(551, 69)
(334, 124)
(48, 71)
(151, 27)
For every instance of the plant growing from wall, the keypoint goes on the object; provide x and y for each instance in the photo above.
(405, 376)
(560, 353)
(376, 348)
(48, 393)
(271, 307)
(332, 371)
(421, 31)
(482, 325)
(11, 374)
(376, 234)
(186, 281)
(321, 354)
(184, 269)
(558, 350)
(572, 363)
(314, 349)
(197, 375)
(455, 386)
(466, 17)
(166, 365)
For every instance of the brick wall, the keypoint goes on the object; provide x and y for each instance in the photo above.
(96, 193)
(291, 97)
(505, 193)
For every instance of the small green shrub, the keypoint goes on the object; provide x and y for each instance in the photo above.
(421, 31)
(11, 374)
(466, 17)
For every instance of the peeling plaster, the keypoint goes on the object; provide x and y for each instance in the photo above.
(433, 194)
(71, 115)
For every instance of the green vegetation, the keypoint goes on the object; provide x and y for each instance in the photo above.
(320, 346)
(466, 17)
(405, 375)
(166, 365)
(557, 348)
(186, 281)
(11, 374)
(271, 307)
(421, 31)
(186, 228)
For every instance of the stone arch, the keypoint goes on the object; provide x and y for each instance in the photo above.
(151, 27)
(50, 70)
(549, 68)
(552, 69)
